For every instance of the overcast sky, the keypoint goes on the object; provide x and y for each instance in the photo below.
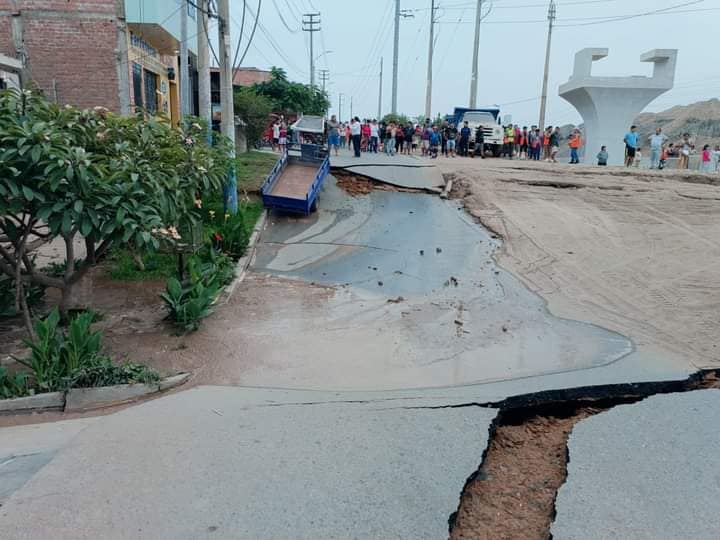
(512, 44)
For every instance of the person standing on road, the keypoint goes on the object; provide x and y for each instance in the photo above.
(333, 134)
(657, 142)
(374, 137)
(409, 138)
(451, 137)
(685, 151)
(509, 141)
(546, 143)
(390, 133)
(356, 131)
(524, 143)
(631, 144)
(706, 159)
(479, 143)
(518, 135)
(464, 139)
(555, 144)
(575, 144)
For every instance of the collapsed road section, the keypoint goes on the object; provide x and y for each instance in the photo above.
(617, 484)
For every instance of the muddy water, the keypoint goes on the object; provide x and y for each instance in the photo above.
(414, 299)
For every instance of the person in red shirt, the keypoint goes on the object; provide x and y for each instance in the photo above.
(365, 131)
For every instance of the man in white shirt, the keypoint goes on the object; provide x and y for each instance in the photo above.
(355, 131)
(374, 136)
(656, 145)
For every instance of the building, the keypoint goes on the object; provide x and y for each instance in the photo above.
(118, 54)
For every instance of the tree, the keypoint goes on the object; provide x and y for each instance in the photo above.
(292, 97)
(254, 110)
(396, 118)
(88, 174)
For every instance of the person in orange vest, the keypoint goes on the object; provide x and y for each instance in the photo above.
(575, 145)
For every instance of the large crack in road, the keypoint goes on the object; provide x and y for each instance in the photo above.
(513, 492)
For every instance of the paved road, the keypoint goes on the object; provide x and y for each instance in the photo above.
(645, 471)
(379, 448)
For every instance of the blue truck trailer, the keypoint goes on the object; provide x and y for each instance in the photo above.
(295, 181)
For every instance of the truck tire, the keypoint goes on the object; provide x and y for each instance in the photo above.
(496, 150)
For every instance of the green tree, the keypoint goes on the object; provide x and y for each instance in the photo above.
(254, 110)
(93, 176)
(292, 97)
(396, 118)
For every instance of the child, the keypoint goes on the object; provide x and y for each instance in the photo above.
(602, 156)
(667, 151)
(638, 157)
(706, 159)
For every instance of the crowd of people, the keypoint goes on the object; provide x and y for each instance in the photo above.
(432, 139)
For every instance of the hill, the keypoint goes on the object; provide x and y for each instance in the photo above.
(701, 120)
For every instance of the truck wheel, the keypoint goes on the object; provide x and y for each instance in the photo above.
(496, 150)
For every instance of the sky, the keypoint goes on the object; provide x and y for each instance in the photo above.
(356, 34)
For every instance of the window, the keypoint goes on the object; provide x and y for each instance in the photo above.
(137, 85)
(150, 92)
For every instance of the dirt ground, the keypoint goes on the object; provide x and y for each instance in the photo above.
(633, 251)
(513, 494)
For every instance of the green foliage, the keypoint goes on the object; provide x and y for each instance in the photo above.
(13, 385)
(396, 118)
(254, 110)
(55, 355)
(292, 97)
(156, 265)
(61, 360)
(113, 180)
(33, 296)
(189, 302)
(102, 372)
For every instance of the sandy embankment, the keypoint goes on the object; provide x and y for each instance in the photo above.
(637, 252)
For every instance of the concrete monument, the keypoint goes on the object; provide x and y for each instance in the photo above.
(608, 105)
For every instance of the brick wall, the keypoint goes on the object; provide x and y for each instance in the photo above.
(73, 44)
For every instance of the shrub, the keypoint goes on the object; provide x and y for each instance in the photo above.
(102, 372)
(13, 385)
(61, 360)
(189, 302)
(8, 296)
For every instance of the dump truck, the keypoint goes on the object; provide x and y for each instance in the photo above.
(295, 181)
(486, 118)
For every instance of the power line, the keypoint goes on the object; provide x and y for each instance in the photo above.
(282, 19)
(240, 36)
(252, 34)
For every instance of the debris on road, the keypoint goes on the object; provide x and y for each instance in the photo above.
(395, 300)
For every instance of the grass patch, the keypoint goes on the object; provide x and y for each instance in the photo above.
(157, 266)
(252, 168)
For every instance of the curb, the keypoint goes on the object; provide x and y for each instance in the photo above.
(38, 402)
(245, 261)
(85, 399)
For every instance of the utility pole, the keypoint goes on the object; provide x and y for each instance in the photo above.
(226, 101)
(543, 100)
(340, 96)
(311, 25)
(203, 59)
(379, 116)
(396, 51)
(393, 105)
(324, 77)
(428, 91)
(351, 104)
(476, 54)
(184, 68)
